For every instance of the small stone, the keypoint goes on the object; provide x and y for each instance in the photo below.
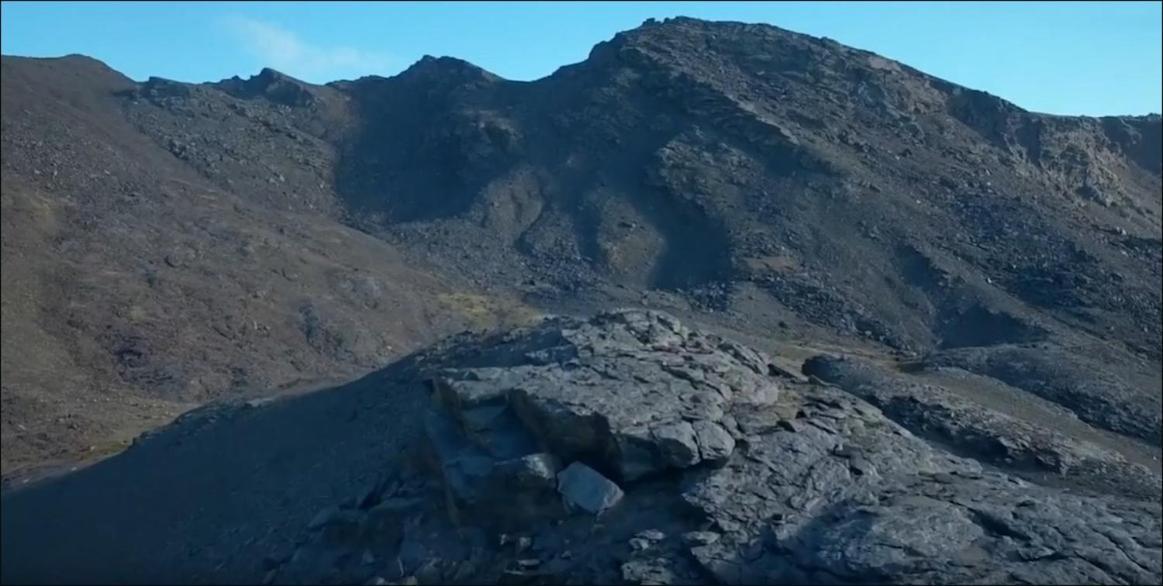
(651, 535)
(698, 538)
(648, 571)
(532, 471)
(639, 544)
(528, 563)
(524, 543)
(584, 488)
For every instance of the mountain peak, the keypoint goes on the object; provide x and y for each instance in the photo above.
(449, 68)
(269, 75)
(274, 85)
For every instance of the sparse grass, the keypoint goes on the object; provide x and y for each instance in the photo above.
(483, 312)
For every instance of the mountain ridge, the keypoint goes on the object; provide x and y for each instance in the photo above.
(781, 184)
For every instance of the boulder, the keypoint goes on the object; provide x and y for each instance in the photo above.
(584, 488)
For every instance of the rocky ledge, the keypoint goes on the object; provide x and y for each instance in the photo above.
(630, 449)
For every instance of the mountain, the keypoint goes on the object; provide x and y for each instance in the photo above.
(985, 277)
(170, 243)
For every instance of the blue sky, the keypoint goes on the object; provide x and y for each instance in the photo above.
(1064, 58)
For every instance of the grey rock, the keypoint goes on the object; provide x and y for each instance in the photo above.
(651, 535)
(534, 471)
(677, 444)
(697, 538)
(632, 386)
(584, 488)
(715, 444)
(656, 571)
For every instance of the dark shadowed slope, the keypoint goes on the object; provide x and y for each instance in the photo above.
(197, 501)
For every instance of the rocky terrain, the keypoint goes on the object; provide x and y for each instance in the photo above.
(913, 307)
(625, 448)
(171, 243)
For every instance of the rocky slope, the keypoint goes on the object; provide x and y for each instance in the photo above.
(626, 448)
(747, 166)
(166, 244)
(135, 287)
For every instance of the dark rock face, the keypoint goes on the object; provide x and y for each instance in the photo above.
(626, 448)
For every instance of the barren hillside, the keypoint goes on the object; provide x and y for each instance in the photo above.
(165, 244)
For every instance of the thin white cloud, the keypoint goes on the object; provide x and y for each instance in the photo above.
(289, 53)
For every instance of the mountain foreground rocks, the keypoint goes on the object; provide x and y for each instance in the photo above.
(626, 448)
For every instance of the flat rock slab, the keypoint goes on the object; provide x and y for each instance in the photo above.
(635, 392)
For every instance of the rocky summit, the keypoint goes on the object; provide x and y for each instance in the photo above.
(626, 448)
(876, 326)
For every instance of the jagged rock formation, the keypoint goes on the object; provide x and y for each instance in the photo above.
(625, 448)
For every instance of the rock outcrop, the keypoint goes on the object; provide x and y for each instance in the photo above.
(573, 425)
(630, 394)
